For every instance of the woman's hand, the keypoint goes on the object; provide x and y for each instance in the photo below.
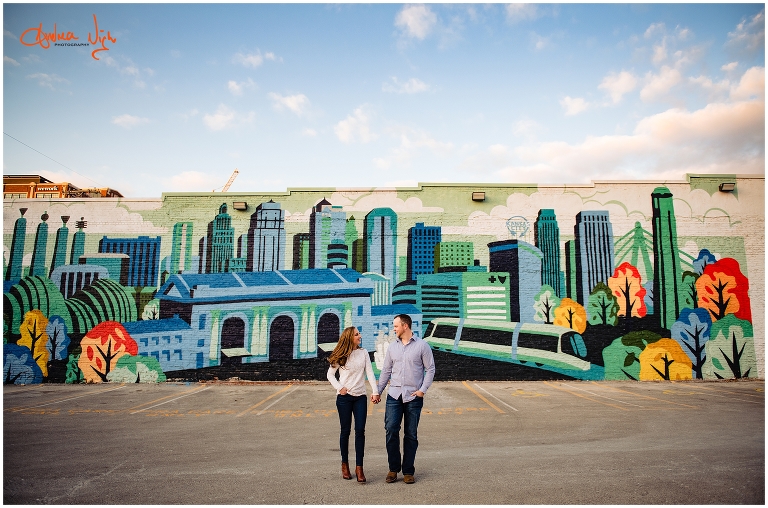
(343, 390)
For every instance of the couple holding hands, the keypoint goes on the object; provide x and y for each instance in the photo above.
(409, 368)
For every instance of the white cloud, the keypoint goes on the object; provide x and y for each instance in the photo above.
(540, 42)
(225, 117)
(11, 61)
(658, 85)
(660, 52)
(411, 86)
(521, 12)
(574, 105)
(190, 114)
(192, 181)
(47, 80)
(296, 103)
(309, 132)
(355, 127)
(237, 88)
(248, 60)
(129, 121)
(7, 33)
(713, 89)
(719, 138)
(752, 84)
(129, 69)
(750, 33)
(655, 28)
(617, 85)
(526, 128)
(412, 141)
(416, 21)
(729, 67)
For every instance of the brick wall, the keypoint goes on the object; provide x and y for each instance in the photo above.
(612, 280)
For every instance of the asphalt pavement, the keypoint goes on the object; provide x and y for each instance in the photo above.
(480, 442)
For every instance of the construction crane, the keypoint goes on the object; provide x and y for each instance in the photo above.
(229, 182)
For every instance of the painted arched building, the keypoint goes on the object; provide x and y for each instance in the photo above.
(265, 316)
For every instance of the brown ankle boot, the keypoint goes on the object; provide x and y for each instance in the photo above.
(345, 471)
(360, 474)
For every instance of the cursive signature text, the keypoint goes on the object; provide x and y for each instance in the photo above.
(36, 36)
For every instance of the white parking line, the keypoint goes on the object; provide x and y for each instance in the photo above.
(603, 396)
(495, 397)
(167, 401)
(71, 398)
(276, 401)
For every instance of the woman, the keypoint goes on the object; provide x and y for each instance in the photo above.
(353, 363)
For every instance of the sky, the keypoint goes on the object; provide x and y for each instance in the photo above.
(175, 97)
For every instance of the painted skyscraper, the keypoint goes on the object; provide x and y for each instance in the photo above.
(60, 247)
(181, 248)
(78, 242)
(143, 257)
(546, 236)
(266, 239)
(41, 246)
(421, 249)
(666, 258)
(380, 242)
(327, 224)
(16, 254)
(523, 263)
(594, 251)
(217, 248)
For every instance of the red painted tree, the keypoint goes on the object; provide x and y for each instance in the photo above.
(102, 348)
(627, 286)
(722, 289)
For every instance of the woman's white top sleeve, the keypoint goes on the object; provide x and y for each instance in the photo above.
(352, 375)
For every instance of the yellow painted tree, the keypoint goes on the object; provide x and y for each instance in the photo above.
(34, 337)
(571, 314)
(665, 359)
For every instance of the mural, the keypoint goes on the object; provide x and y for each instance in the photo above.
(629, 281)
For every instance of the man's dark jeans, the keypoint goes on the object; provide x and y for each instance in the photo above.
(396, 412)
(347, 405)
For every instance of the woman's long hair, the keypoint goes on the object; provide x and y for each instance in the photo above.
(344, 347)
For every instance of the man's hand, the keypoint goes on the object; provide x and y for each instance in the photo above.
(418, 393)
(375, 399)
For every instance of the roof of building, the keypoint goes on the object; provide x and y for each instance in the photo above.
(156, 325)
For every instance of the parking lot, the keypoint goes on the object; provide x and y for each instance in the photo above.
(551, 442)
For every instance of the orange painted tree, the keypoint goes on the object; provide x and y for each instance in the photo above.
(722, 289)
(102, 348)
(665, 359)
(627, 286)
(571, 314)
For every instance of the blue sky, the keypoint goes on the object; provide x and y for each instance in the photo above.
(382, 95)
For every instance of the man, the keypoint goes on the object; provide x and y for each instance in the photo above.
(409, 367)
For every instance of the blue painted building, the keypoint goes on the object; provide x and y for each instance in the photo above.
(143, 257)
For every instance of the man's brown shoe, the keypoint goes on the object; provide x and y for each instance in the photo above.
(391, 477)
(408, 478)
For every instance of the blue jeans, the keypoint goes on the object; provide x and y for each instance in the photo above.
(348, 405)
(396, 412)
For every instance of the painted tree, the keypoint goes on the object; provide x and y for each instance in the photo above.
(151, 310)
(629, 291)
(723, 290)
(571, 314)
(19, 366)
(58, 340)
(704, 258)
(137, 369)
(648, 299)
(544, 304)
(74, 375)
(622, 357)
(602, 306)
(689, 297)
(33, 293)
(691, 331)
(730, 350)
(102, 348)
(664, 359)
(34, 337)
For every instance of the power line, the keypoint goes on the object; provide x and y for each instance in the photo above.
(54, 160)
